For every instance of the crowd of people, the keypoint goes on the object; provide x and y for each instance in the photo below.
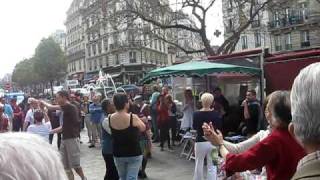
(126, 126)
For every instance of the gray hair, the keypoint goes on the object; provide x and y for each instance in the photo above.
(305, 103)
(26, 156)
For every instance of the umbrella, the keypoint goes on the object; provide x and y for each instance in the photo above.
(198, 69)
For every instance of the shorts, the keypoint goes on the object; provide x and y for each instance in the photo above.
(70, 153)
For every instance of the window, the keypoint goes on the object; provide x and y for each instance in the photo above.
(90, 65)
(230, 25)
(94, 49)
(288, 41)
(95, 64)
(276, 19)
(257, 38)
(80, 65)
(99, 47)
(156, 44)
(244, 42)
(277, 42)
(133, 57)
(305, 39)
(230, 4)
(117, 59)
(303, 10)
(100, 62)
(107, 61)
(105, 43)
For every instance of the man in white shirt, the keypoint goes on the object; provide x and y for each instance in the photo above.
(29, 119)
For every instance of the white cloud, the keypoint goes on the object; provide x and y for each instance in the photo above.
(24, 24)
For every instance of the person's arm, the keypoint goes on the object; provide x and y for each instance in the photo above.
(56, 130)
(26, 121)
(137, 122)
(50, 106)
(246, 112)
(242, 146)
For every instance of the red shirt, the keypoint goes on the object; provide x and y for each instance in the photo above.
(279, 152)
(163, 115)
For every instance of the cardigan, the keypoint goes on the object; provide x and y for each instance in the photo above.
(247, 144)
(279, 152)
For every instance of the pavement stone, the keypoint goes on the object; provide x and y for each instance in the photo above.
(163, 165)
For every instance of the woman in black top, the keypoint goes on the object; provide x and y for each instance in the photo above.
(125, 129)
(203, 148)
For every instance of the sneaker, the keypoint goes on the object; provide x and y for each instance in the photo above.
(92, 146)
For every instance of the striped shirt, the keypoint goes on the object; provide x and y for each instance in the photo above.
(42, 130)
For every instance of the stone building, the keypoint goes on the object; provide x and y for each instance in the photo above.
(281, 26)
(294, 25)
(59, 36)
(126, 51)
(75, 46)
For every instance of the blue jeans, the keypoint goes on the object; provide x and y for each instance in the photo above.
(128, 167)
(155, 129)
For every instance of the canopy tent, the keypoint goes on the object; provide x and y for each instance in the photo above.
(198, 69)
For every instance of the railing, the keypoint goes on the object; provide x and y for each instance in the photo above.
(305, 44)
(287, 22)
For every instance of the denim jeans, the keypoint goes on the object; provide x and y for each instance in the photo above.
(128, 167)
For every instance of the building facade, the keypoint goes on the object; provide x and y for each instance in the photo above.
(294, 25)
(60, 37)
(126, 51)
(75, 44)
(282, 26)
(256, 35)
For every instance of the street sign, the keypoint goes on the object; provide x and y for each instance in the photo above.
(72, 82)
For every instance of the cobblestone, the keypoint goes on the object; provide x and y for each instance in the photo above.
(163, 165)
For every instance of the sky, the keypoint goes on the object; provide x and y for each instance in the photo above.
(25, 22)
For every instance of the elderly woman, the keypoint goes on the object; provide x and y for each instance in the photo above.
(305, 102)
(125, 132)
(279, 152)
(28, 156)
(203, 148)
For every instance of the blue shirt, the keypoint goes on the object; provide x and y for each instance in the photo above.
(96, 113)
(8, 110)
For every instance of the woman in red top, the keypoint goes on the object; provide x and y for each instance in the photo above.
(279, 152)
(163, 121)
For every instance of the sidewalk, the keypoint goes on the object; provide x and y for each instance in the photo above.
(163, 165)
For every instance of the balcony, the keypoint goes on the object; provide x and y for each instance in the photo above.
(287, 22)
(305, 44)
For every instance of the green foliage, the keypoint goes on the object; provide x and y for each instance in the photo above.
(47, 65)
(50, 62)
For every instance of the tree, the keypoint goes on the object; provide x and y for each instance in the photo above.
(49, 61)
(163, 17)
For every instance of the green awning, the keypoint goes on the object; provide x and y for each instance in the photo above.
(198, 69)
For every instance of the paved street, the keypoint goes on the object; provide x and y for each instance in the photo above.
(163, 165)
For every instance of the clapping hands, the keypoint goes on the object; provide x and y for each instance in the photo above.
(214, 136)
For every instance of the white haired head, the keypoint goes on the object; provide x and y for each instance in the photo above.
(26, 156)
(305, 103)
(207, 100)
